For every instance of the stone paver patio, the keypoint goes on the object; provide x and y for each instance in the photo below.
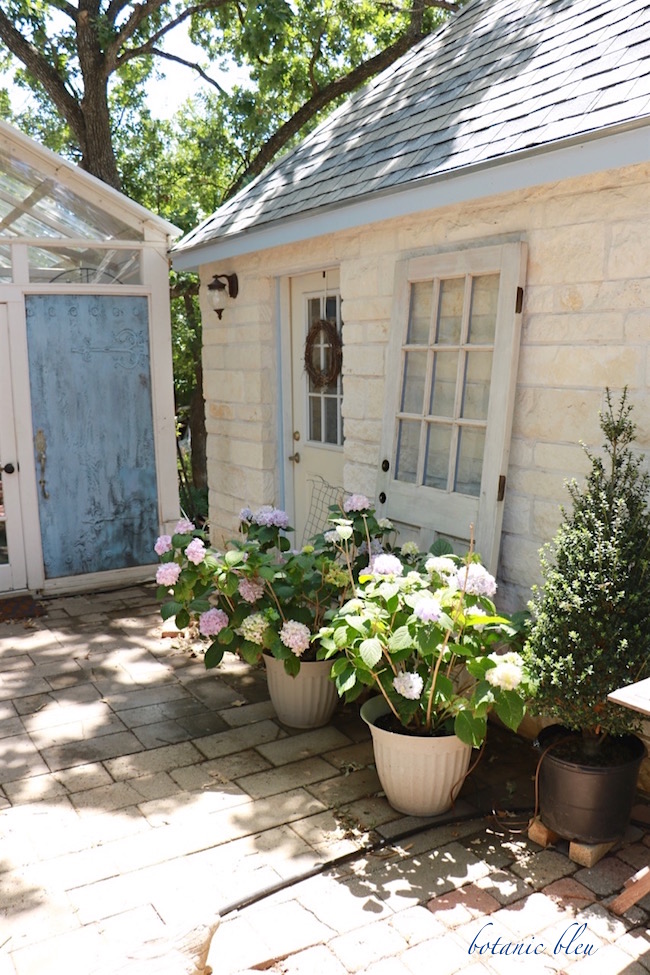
(141, 796)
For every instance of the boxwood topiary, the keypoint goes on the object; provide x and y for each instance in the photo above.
(590, 629)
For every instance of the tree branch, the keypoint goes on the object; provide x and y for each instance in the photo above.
(188, 64)
(340, 86)
(44, 74)
(143, 12)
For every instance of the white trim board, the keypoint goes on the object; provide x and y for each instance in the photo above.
(611, 148)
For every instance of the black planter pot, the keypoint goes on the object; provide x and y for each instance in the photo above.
(580, 800)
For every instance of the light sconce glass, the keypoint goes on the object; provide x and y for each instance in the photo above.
(221, 287)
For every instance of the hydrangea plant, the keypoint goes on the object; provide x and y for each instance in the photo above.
(259, 595)
(428, 638)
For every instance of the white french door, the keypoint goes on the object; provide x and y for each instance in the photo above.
(12, 549)
(316, 391)
(454, 353)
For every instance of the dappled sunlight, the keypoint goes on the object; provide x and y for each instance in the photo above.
(137, 788)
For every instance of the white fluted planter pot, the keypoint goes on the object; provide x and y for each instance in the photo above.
(417, 774)
(307, 700)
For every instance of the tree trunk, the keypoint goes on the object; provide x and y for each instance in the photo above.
(198, 433)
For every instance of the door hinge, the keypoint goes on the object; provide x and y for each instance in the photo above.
(501, 490)
(519, 301)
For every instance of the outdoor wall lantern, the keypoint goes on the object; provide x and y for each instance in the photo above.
(221, 287)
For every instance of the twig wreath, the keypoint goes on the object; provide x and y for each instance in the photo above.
(329, 331)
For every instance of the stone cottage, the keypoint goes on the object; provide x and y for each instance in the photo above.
(474, 225)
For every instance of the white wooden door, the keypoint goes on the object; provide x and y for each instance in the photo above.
(12, 547)
(317, 434)
(454, 352)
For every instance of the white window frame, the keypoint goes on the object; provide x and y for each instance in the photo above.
(427, 512)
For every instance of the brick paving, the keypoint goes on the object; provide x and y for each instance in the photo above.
(141, 796)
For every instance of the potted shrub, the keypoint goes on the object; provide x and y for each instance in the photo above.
(263, 600)
(428, 639)
(589, 635)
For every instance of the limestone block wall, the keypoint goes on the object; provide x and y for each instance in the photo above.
(586, 325)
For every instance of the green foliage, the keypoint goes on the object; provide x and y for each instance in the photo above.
(430, 641)
(257, 595)
(591, 617)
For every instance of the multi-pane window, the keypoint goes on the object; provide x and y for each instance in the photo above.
(447, 364)
(450, 394)
(324, 400)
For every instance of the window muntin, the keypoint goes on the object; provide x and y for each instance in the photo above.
(445, 384)
(33, 204)
(84, 265)
(325, 422)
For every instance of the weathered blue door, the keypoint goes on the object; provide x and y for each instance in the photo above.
(90, 386)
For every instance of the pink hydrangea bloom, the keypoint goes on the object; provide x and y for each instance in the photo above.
(163, 544)
(212, 622)
(168, 573)
(195, 551)
(250, 589)
(184, 527)
(476, 580)
(296, 636)
(356, 502)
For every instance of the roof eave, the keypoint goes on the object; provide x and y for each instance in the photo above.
(612, 147)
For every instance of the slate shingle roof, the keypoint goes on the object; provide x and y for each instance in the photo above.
(500, 77)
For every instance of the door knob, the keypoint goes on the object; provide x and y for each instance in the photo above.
(295, 457)
(8, 469)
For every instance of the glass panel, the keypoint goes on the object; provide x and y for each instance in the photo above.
(415, 368)
(331, 420)
(313, 310)
(450, 311)
(330, 308)
(469, 461)
(4, 552)
(483, 316)
(408, 442)
(420, 313)
(436, 466)
(443, 387)
(315, 418)
(5, 263)
(35, 205)
(83, 266)
(476, 388)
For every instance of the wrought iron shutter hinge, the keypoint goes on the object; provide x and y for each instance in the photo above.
(501, 490)
(519, 301)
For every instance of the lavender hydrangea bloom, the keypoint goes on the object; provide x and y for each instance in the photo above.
(387, 565)
(409, 686)
(356, 502)
(212, 622)
(245, 514)
(195, 551)
(428, 610)
(163, 544)
(476, 580)
(167, 574)
(268, 516)
(184, 527)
